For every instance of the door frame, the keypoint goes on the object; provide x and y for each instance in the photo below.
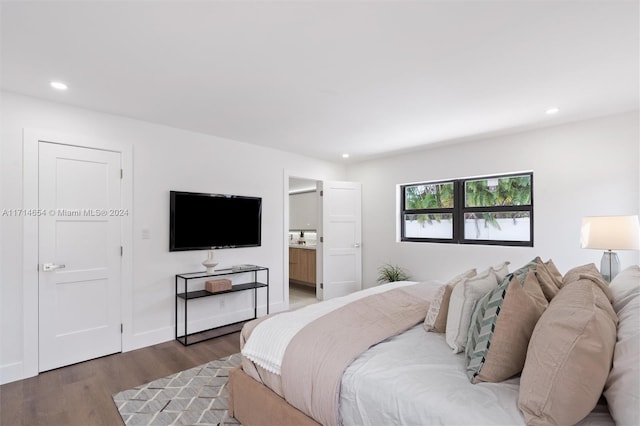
(30, 142)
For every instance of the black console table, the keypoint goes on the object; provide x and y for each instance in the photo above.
(253, 271)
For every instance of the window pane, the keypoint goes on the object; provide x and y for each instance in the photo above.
(429, 196)
(428, 225)
(498, 191)
(507, 226)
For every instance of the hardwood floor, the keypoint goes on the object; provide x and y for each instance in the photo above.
(81, 394)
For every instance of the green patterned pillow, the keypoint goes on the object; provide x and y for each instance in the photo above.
(530, 266)
(501, 326)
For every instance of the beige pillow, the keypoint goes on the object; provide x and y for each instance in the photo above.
(569, 356)
(501, 326)
(549, 281)
(588, 271)
(548, 275)
(436, 319)
(574, 274)
(556, 275)
(622, 389)
(463, 297)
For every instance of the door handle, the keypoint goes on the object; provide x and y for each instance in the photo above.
(52, 266)
(356, 245)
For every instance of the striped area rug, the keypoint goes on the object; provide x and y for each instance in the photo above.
(198, 396)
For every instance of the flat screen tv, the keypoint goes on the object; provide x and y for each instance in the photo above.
(201, 221)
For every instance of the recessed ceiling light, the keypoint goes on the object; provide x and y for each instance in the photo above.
(345, 155)
(552, 111)
(58, 85)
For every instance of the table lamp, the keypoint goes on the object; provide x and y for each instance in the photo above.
(610, 233)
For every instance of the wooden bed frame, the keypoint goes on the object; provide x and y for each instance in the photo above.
(254, 404)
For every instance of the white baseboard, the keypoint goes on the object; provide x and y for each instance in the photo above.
(147, 338)
(194, 326)
(15, 371)
(165, 334)
(11, 372)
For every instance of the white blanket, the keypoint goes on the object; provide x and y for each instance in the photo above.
(414, 379)
(270, 338)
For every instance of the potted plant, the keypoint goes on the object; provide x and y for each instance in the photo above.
(388, 273)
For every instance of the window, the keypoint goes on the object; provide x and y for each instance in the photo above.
(495, 210)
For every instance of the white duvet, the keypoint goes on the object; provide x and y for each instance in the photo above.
(270, 338)
(414, 379)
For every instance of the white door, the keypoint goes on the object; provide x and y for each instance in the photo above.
(79, 254)
(339, 248)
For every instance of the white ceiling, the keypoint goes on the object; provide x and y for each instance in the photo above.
(323, 78)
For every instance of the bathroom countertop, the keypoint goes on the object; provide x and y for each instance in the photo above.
(303, 246)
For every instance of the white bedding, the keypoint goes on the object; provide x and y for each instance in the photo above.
(270, 338)
(414, 379)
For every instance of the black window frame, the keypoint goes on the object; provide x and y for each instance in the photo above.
(459, 209)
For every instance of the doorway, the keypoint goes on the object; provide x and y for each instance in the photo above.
(302, 237)
(337, 237)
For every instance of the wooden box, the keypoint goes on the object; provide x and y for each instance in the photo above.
(215, 286)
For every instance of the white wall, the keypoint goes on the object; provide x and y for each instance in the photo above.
(164, 159)
(580, 169)
(587, 168)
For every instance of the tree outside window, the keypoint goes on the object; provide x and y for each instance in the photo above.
(480, 210)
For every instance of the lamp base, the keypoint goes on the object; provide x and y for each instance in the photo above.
(609, 265)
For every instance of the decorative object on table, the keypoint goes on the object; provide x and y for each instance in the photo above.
(388, 273)
(209, 263)
(216, 286)
(243, 267)
(610, 233)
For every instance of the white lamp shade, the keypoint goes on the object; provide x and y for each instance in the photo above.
(610, 232)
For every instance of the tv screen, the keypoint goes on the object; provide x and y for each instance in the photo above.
(204, 221)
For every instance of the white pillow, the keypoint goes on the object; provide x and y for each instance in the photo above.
(501, 270)
(466, 274)
(622, 389)
(463, 297)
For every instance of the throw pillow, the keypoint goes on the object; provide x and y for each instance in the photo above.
(501, 270)
(574, 273)
(588, 270)
(622, 389)
(463, 297)
(523, 270)
(549, 281)
(501, 326)
(436, 319)
(569, 356)
(435, 307)
(556, 275)
(466, 274)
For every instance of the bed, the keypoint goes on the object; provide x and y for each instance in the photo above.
(410, 377)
